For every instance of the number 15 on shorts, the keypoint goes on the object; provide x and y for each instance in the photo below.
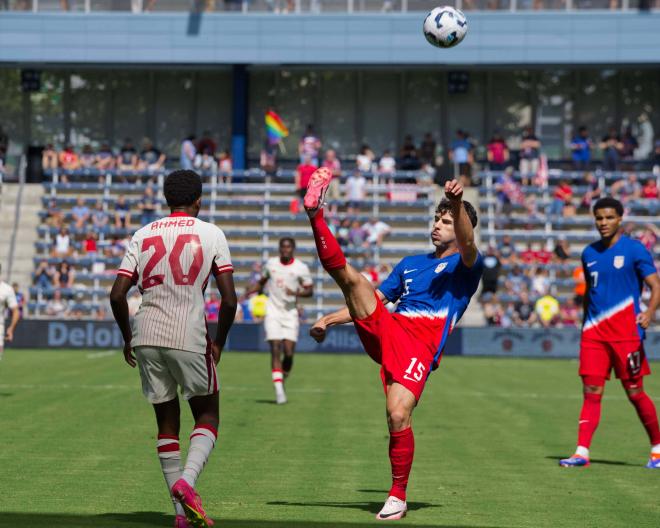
(415, 373)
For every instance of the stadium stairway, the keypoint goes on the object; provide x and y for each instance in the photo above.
(20, 228)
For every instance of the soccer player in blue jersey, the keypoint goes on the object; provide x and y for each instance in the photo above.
(433, 290)
(616, 268)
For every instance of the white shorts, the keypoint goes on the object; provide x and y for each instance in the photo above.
(280, 325)
(163, 369)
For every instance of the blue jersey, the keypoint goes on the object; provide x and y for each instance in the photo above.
(433, 289)
(615, 276)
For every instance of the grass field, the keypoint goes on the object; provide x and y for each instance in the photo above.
(77, 447)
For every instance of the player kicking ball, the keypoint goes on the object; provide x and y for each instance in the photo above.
(288, 278)
(433, 291)
(616, 267)
(171, 261)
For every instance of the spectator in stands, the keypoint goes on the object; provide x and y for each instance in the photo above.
(650, 189)
(540, 282)
(64, 276)
(580, 285)
(332, 163)
(593, 191)
(547, 310)
(529, 255)
(148, 206)
(268, 158)
(569, 313)
(523, 311)
(343, 231)
(105, 158)
(87, 157)
(62, 247)
(507, 251)
(493, 312)
(357, 236)
(89, 246)
(309, 146)
(508, 193)
(629, 146)
(516, 281)
(497, 152)
(127, 160)
(257, 306)
(427, 150)
(57, 307)
(304, 172)
(205, 162)
(44, 276)
(530, 154)
(255, 274)
(611, 146)
(562, 251)
(649, 237)
(562, 196)
(461, 154)
(54, 214)
(122, 213)
(376, 231)
(491, 273)
(151, 159)
(68, 159)
(656, 158)
(212, 308)
(188, 152)
(49, 158)
(627, 189)
(409, 156)
(134, 301)
(581, 147)
(387, 165)
(356, 192)
(225, 167)
(207, 143)
(80, 214)
(364, 161)
(100, 218)
(117, 247)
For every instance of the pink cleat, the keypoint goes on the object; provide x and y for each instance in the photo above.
(181, 522)
(316, 189)
(192, 504)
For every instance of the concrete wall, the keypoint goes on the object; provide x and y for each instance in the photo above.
(588, 37)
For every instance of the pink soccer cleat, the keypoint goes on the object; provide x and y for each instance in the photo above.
(316, 189)
(192, 504)
(181, 522)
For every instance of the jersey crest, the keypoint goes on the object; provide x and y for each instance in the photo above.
(619, 261)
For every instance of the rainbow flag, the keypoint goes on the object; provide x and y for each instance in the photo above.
(275, 128)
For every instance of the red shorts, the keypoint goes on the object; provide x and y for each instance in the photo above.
(404, 347)
(597, 358)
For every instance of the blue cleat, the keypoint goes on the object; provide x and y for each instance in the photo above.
(576, 461)
(653, 463)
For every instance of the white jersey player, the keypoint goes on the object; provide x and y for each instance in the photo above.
(286, 279)
(171, 261)
(7, 301)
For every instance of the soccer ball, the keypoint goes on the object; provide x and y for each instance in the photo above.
(445, 27)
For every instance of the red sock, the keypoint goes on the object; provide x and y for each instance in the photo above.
(402, 450)
(330, 253)
(589, 418)
(647, 414)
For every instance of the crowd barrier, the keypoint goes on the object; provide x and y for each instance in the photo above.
(498, 342)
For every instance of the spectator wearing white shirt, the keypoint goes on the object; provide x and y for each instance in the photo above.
(364, 161)
(62, 247)
(356, 193)
(376, 231)
(387, 165)
(57, 307)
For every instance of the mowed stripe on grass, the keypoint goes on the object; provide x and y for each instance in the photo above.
(78, 447)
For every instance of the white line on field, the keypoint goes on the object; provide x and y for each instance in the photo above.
(98, 355)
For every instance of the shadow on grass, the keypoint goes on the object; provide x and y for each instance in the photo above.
(6, 394)
(269, 402)
(368, 506)
(382, 491)
(155, 519)
(596, 461)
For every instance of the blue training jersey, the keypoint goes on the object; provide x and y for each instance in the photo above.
(435, 289)
(616, 276)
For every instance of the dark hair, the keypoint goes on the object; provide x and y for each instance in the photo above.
(609, 203)
(445, 207)
(288, 239)
(182, 188)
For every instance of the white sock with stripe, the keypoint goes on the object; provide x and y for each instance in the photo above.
(202, 441)
(278, 381)
(169, 454)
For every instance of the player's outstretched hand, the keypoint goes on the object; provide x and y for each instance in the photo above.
(318, 331)
(454, 190)
(128, 355)
(644, 320)
(217, 351)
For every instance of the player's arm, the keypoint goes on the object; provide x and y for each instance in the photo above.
(644, 319)
(462, 225)
(305, 290)
(257, 287)
(119, 306)
(15, 316)
(225, 283)
(341, 316)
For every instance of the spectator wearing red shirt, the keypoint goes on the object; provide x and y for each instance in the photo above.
(569, 313)
(561, 197)
(650, 189)
(498, 153)
(543, 256)
(529, 255)
(303, 174)
(89, 244)
(68, 159)
(212, 308)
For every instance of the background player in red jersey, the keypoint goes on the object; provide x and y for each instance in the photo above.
(171, 261)
(433, 291)
(287, 278)
(616, 268)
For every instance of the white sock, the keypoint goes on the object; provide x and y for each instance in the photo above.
(278, 381)
(169, 454)
(202, 441)
(582, 451)
(655, 450)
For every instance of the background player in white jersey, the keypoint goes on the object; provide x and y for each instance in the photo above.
(7, 300)
(287, 278)
(171, 261)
